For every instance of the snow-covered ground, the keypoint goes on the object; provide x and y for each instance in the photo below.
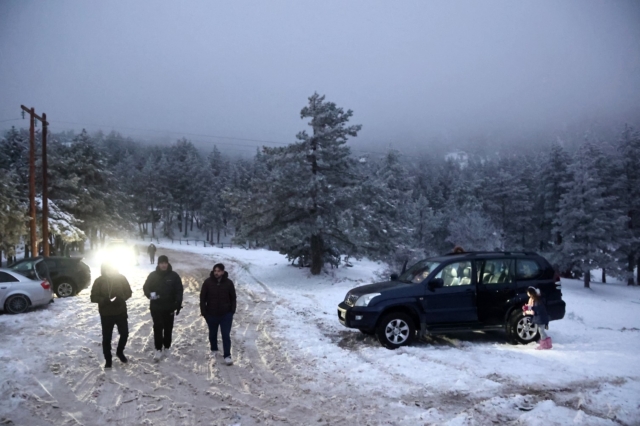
(295, 363)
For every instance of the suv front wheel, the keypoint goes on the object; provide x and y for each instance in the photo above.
(520, 329)
(395, 329)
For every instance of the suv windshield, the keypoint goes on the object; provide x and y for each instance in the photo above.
(418, 272)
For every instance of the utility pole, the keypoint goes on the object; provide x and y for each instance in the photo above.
(45, 191)
(32, 178)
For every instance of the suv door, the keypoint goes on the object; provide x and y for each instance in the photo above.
(455, 302)
(496, 286)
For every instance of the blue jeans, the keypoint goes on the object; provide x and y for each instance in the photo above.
(224, 322)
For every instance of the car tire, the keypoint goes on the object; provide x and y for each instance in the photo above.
(395, 329)
(16, 304)
(520, 329)
(65, 288)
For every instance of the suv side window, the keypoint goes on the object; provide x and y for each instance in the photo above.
(7, 278)
(497, 271)
(455, 274)
(527, 269)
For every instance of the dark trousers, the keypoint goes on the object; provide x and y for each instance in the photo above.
(152, 258)
(224, 322)
(162, 328)
(108, 322)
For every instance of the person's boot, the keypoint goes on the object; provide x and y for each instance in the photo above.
(548, 344)
(107, 363)
(121, 357)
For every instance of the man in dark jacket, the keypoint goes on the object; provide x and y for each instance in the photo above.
(152, 253)
(164, 288)
(217, 306)
(110, 291)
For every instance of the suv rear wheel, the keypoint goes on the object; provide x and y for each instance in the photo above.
(395, 329)
(65, 288)
(520, 329)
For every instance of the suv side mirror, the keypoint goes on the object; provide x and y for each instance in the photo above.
(394, 277)
(436, 283)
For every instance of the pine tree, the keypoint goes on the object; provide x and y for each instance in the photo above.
(554, 177)
(627, 192)
(311, 188)
(586, 219)
(13, 217)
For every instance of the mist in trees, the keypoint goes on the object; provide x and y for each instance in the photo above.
(319, 203)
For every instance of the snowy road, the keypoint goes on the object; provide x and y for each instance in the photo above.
(295, 364)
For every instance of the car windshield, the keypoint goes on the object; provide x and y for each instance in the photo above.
(418, 272)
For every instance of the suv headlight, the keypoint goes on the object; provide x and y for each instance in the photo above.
(365, 299)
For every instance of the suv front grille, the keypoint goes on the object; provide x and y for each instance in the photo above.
(351, 299)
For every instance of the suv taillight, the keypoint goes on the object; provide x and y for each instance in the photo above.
(45, 284)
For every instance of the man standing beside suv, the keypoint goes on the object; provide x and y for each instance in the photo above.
(164, 288)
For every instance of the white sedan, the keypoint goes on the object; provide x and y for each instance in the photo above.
(18, 293)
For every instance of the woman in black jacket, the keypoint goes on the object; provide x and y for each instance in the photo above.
(217, 306)
(110, 291)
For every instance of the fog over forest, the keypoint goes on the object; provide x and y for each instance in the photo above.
(419, 76)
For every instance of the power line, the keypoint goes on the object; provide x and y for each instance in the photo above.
(177, 133)
(233, 146)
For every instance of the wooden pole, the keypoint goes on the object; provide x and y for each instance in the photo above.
(32, 182)
(45, 194)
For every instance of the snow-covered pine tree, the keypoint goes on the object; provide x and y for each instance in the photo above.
(627, 192)
(13, 217)
(215, 211)
(14, 155)
(312, 186)
(384, 214)
(554, 176)
(587, 219)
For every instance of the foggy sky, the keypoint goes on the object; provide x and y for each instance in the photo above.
(413, 72)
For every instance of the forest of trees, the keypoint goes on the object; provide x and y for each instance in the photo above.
(318, 203)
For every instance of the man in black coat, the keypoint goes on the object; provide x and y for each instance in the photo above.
(151, 250)
(217, 306)
(111, 291)
(164, 288)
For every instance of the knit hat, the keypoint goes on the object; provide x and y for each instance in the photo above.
(163, 259)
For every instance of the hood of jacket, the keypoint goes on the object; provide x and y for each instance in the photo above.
(107, 269)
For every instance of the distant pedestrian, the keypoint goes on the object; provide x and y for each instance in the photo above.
(458, 250)
(152, 253)
(217, 306)
(110, 291)
(164, 288)
(535, 306)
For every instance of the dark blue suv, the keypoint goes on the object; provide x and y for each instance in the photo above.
(455, 292)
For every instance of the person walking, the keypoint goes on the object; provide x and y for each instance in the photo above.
(217, 306)
(152, 253)
(110, 291)
(535, 307)
(164, 288)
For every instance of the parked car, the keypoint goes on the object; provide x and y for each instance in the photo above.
(18, 293)
(69, 275)
(455, 292)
